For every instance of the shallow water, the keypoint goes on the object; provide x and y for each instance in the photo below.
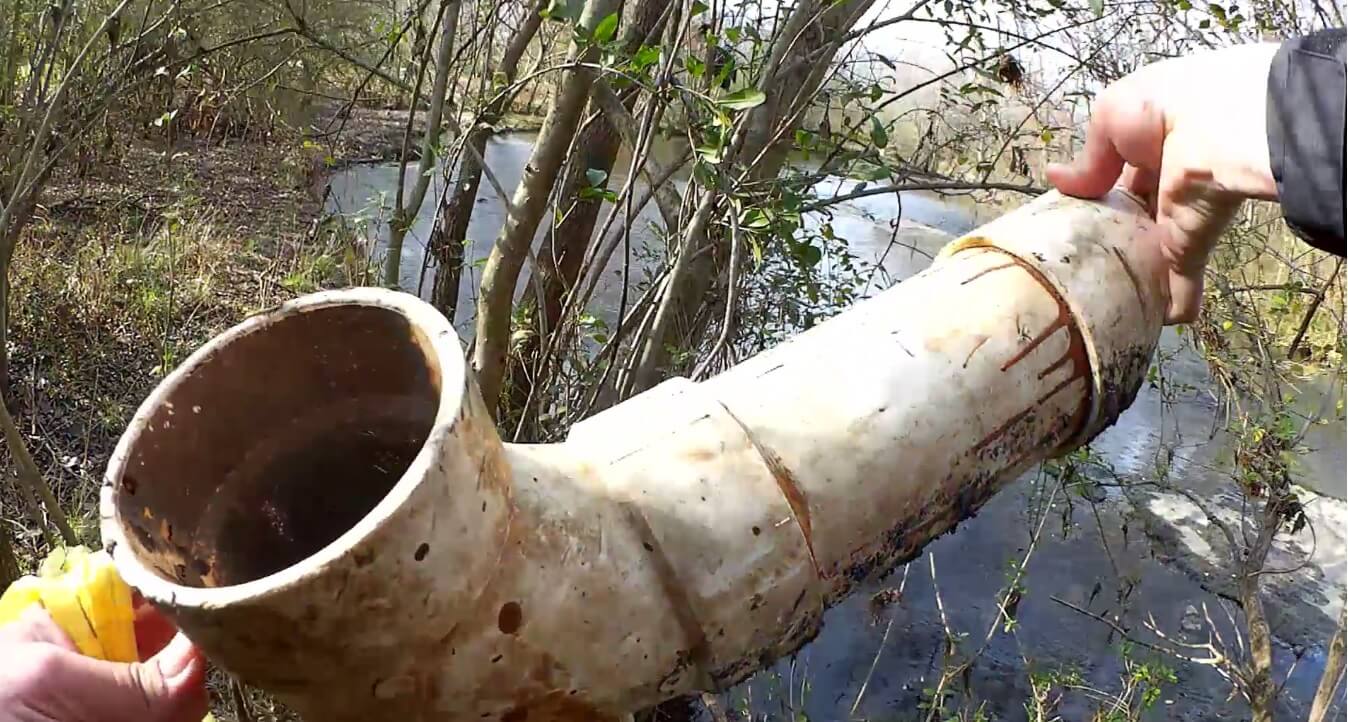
(1154, 551)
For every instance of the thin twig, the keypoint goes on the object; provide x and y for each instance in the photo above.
(1310, 312)
(731, 293)
(242, 710)
(881, 647)
(1123, 631)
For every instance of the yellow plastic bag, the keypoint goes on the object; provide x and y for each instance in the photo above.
(83, 593)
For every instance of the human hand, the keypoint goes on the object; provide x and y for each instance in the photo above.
(1189, 136)
(43, 678)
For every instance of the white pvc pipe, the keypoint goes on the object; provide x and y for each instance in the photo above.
(353, 536)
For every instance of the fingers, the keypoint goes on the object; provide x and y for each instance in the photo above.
(56, 682)
(1141, 183)
(1193, 211)
(1186, 298)
(1127, 126)
(35, 625)
(170, 687)
(1095, 169)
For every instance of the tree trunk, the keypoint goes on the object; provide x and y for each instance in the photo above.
(499, 276)
(4, 331)
(1332, 678)
(793, 82)
(451, 228)
(14, 222)
(798, 63)
(405, 214)
(12, 53)
(1260, 691)
(564, 249)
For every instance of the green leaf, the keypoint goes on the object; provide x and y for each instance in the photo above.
(809, 255)
(1098, 7)
(878, 135)
(606, 29)
(974, 88)
(727, 68)
(743, 99)
(695, 67)
(877, 92)
(596, 177)
(1226, 325)
(710, 153)
(870, 172)
(804, 138)
(732, 34)
(1046, 135)
(755, 219)
(699, 7)
(561, 11)
(645, 57)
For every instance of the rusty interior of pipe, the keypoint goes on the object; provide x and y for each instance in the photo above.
(277, 443)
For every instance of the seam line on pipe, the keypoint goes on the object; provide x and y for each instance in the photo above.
(674, 589)
(787, 484)
(1132, 276)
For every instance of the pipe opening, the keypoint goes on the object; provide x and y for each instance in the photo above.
(276, 443)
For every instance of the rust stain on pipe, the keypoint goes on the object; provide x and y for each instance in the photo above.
(985, 271)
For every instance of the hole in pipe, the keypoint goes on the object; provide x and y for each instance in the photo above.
(278, 443)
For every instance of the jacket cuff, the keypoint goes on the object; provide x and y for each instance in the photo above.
(1306, 136)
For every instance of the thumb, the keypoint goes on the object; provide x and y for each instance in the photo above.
(168, 687)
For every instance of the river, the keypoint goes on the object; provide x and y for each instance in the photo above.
(1135, 554)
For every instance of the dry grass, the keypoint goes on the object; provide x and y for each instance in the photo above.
(128, 269)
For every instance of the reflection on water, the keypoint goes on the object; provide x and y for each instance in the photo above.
(1082, 558)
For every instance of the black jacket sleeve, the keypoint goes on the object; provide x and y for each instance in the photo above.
(1306, 136)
